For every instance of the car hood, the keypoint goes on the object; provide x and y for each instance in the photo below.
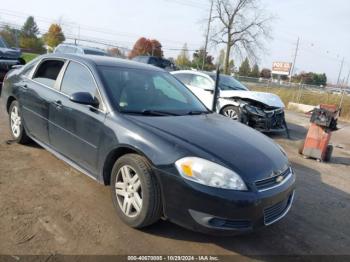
(265, 98)
(9, 53)
(246, 151)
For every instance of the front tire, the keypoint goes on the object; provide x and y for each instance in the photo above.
(18, 133)
(135, 191)
(231, 112)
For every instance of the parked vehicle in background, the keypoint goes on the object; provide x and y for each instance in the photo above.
(136, 128)
(78, 49)
(9, 57)
(156, 61)
(262, 111)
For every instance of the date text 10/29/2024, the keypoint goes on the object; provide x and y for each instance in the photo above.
(173, 258)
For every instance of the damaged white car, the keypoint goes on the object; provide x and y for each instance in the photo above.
(262, 111)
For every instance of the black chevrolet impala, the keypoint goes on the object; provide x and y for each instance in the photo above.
(163, 153)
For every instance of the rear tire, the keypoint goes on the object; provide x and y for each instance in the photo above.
(135, 191)
(18, 133)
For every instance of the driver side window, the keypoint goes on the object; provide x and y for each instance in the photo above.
(201, 82)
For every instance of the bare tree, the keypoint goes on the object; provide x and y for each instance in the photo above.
(242, 26)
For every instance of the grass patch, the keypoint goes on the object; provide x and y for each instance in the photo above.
(308, 97)
(29, 56)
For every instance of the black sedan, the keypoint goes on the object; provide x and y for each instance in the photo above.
(138, 129)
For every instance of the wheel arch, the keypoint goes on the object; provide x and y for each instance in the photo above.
(113, 156)
(10, 99)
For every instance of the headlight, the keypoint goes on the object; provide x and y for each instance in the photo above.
(208, 173)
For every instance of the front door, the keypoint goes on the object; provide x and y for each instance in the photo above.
(75, 130)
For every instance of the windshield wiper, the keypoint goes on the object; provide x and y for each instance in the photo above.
(149, 113)
(192, 113)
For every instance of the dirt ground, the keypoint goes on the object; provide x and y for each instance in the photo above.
(46, 207)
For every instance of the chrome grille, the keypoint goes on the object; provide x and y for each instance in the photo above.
(274, 213)
(273, 181)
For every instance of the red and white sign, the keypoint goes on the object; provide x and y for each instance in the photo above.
(281, 68)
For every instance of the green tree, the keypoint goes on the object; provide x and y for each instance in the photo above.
(183, 59)
(29, 36)
(54, 36)
(255, 71)
(30, 28)
(197, 60)
(10, 35)
(244, 69)
(310, 78)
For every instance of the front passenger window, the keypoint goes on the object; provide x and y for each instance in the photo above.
(77, 78)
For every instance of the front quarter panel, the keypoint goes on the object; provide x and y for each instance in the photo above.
(120, 131)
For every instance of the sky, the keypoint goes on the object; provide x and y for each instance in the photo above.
(322, 25)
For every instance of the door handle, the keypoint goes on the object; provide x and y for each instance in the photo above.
(58, 104)
(25, 87)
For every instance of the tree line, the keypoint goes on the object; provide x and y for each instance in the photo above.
(240, 34)
(29, 37)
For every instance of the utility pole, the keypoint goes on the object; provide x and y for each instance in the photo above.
(294, 61)
(340, 71)
(343, 91)
(207, 35)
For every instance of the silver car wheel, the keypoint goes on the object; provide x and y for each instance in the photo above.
(231, 114)
(128, 191)
(15, 122)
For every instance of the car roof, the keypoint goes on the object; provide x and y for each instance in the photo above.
(202, 73)
(95, 60)
(195, 72)
(82, 47)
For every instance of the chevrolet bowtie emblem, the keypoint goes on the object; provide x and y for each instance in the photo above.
(279, 179)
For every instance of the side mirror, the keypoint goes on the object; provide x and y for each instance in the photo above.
(84, 98)
(210, 90)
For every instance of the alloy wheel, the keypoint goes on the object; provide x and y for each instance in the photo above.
(231, 113)
(128, 191)
(16, 122)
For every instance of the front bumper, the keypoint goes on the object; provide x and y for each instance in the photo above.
(223, 212)
(272, 121)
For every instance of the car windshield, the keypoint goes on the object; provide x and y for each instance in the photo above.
(148, 92)
(229, 83)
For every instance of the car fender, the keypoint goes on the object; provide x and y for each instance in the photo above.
(223, 102)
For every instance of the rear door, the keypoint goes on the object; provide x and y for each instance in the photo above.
(37, 92)
(75, 130)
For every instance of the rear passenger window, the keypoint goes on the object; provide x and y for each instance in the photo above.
(77, 78)
(48, 72)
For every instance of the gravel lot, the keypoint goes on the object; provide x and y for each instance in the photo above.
(46, 207)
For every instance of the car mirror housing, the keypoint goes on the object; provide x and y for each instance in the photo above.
(84, 98)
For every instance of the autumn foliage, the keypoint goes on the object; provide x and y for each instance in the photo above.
(147, 47)
(54, 36)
